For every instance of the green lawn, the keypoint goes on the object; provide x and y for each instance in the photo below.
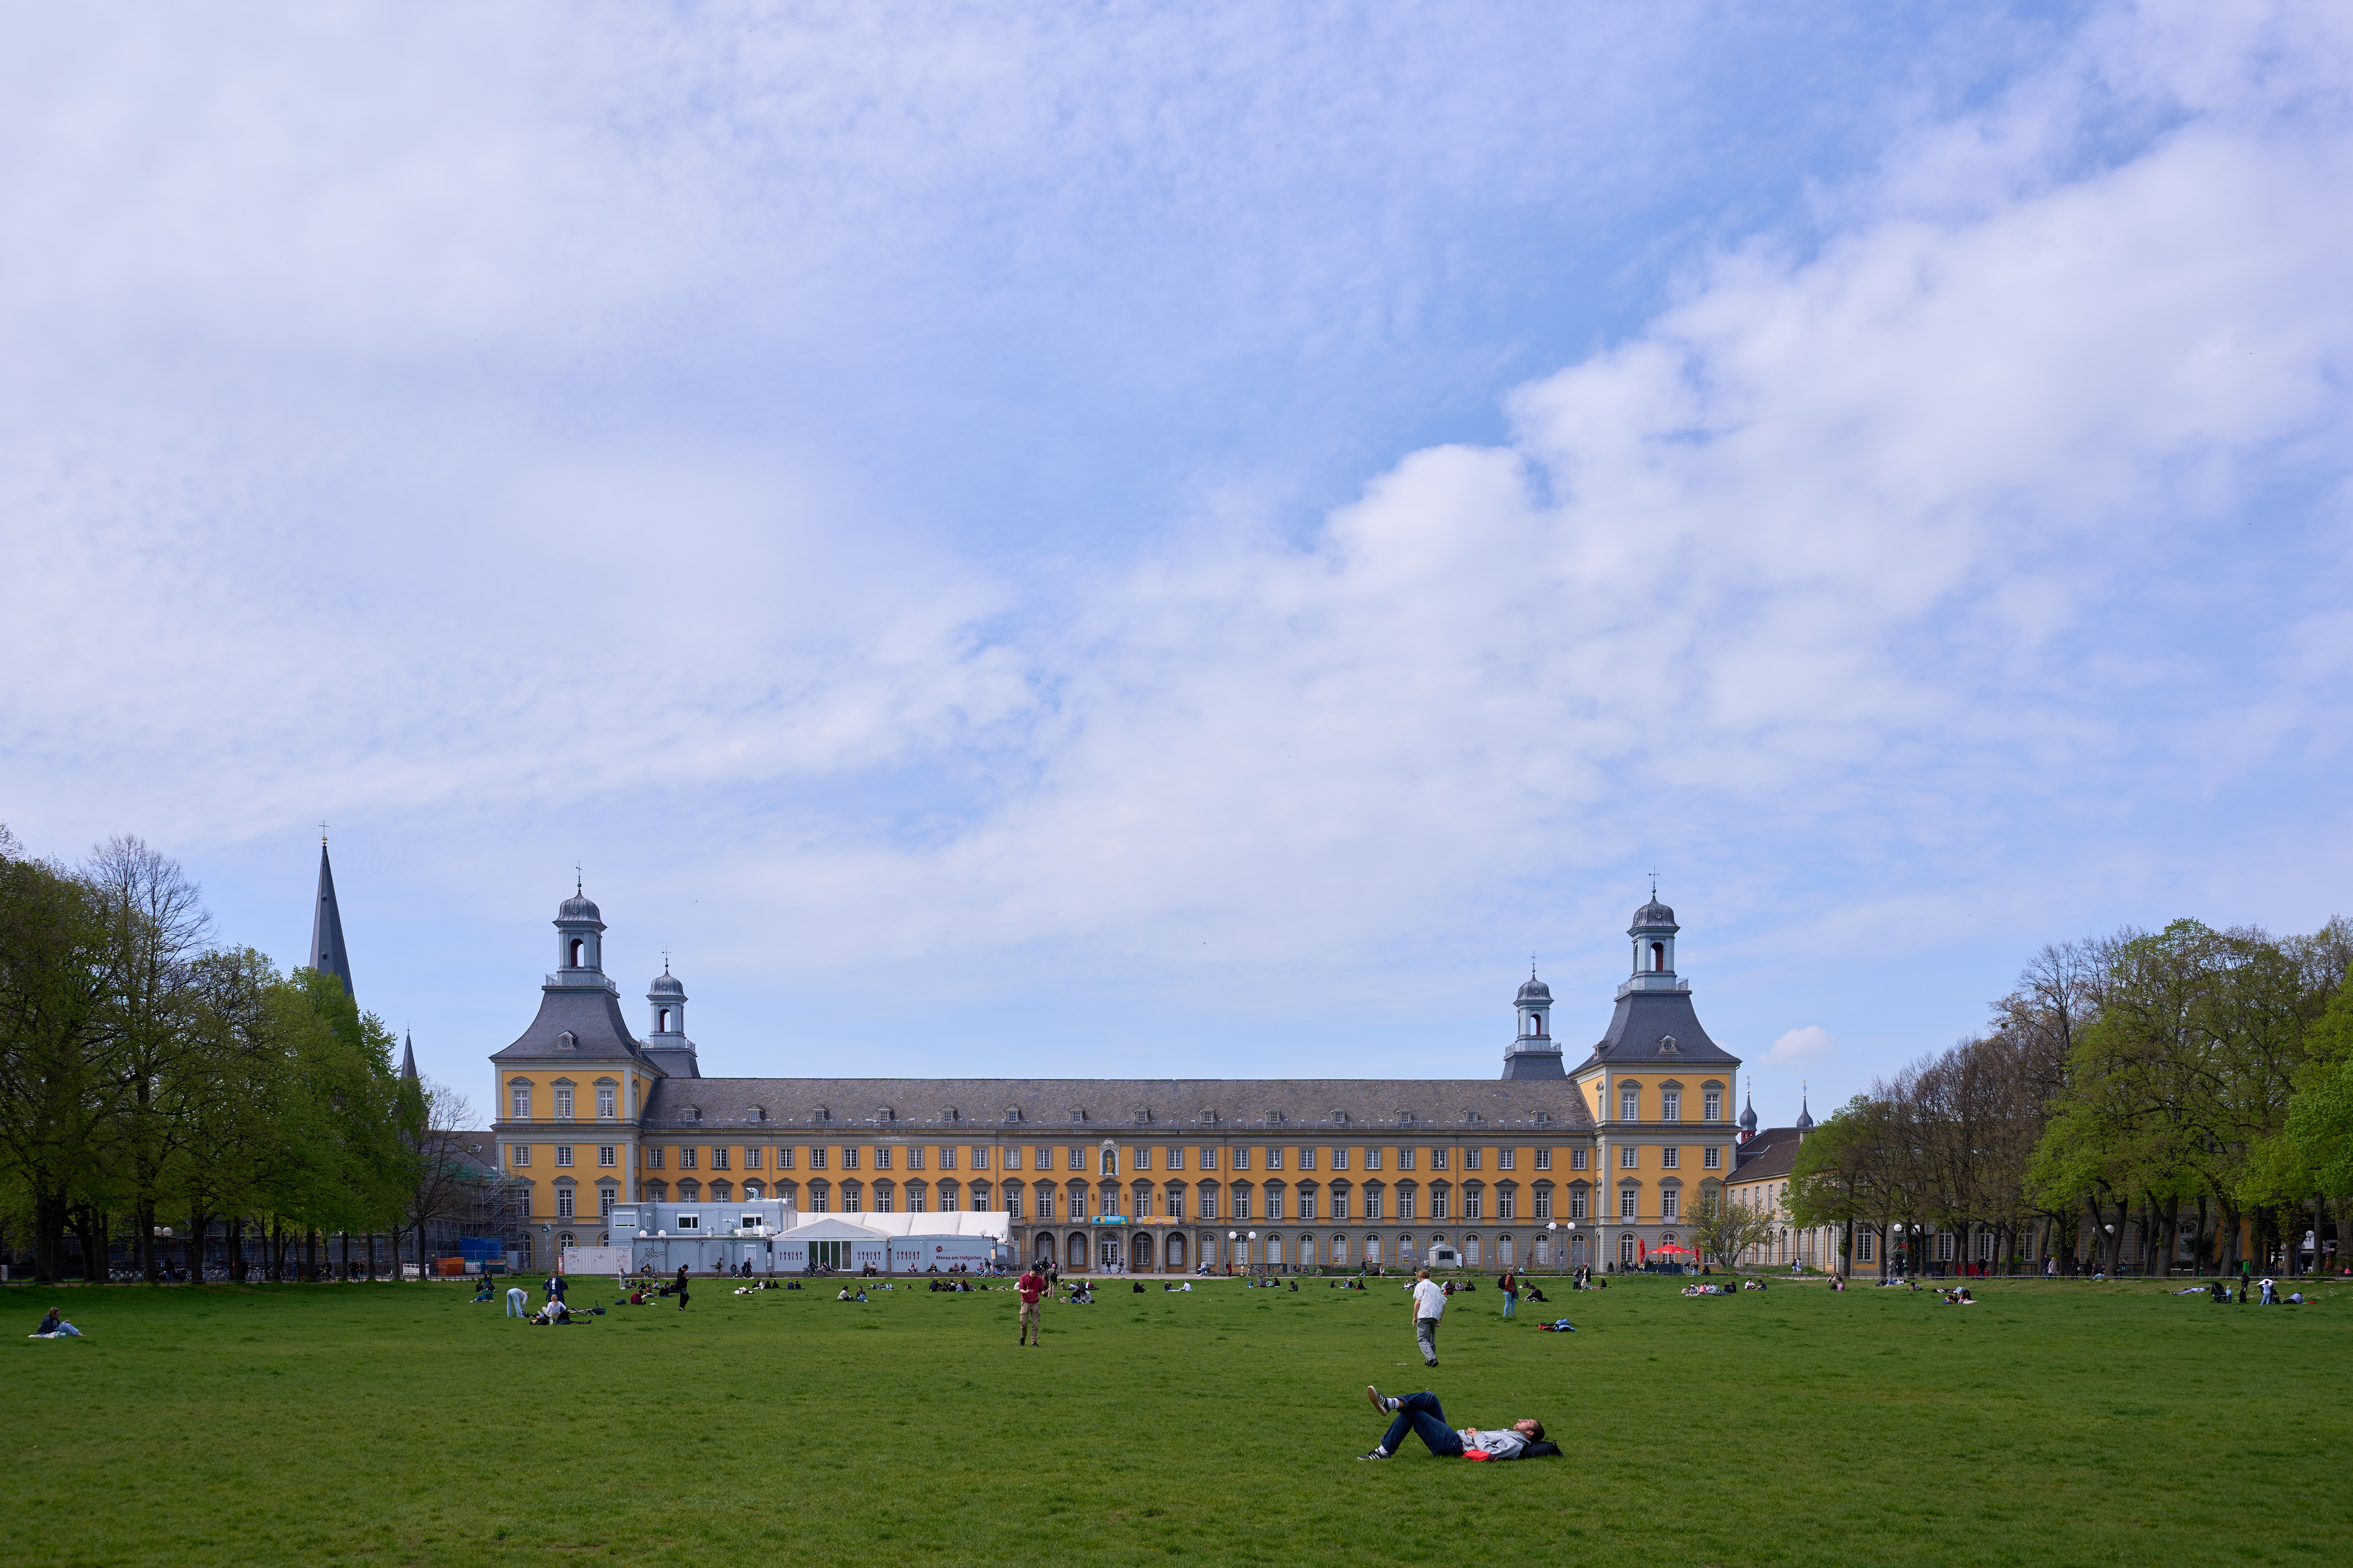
(2053, 1425)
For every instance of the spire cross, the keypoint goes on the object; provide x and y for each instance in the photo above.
(322, 830)
(577, 884)
(1654, 884)
(665, 961)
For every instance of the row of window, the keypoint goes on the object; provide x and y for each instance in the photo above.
(608, 1094)
(519, 1154)
(1671, 1157)
(1107, 1161)
(1671, 1103)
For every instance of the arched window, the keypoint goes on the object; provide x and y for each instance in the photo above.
(720, 1191)
(1626, 1248)
(662, 1027)
(1658, 958)
(689, 1192)
(576, 947)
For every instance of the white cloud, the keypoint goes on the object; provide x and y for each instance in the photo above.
(1798, 1046)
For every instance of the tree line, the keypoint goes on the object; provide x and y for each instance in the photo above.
(2157, 1087)
(152, 1077)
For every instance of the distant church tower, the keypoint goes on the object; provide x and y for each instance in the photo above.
(1533, 1054)
(328, 954)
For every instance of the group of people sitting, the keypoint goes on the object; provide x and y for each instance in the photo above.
(953, 1286)
(555, 1312)
(1958, 1296)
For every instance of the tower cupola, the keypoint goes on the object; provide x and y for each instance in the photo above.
(1748, 1113)
(1532, 1053)
(666, 1041)
(1653, 932)
(579, 942)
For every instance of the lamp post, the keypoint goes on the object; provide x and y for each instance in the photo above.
(1261, 1263)
(1231, 1237)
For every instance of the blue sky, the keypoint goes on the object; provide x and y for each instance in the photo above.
(1179, 540)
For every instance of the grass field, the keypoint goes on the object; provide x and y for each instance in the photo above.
(2051, 1424)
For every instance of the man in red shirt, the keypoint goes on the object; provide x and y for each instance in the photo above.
(1032, 1286)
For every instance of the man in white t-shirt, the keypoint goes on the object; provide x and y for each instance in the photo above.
(1429, 1306)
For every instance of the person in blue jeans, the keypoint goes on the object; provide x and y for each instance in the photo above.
(1421, 1414)
(1510, 1285)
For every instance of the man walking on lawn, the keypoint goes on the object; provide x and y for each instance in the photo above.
(1419, 1415)
(1032, 1286)
(1429, 1306)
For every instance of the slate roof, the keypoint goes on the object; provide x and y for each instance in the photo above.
(592, 1014)
(1115, 1107)
(1767, 1157)
(1642, 1019)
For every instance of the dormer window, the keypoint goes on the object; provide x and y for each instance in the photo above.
(694, 1113)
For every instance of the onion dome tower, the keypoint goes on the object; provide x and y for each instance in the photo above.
(1748, 1112)
(1534, 1054)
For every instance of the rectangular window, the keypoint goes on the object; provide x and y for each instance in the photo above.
(719, 1157)
(915, 1159)
(1306, 1205)
(849, 1158)
(564, 1203)
(1175, 1205)
(1711, 1157)
(564, 1153)
(605, 1196)
(1012, 1204)
(1626, 1203)
(1239, 1159)
(1627, 1157)
(1438, 1200)
(1944, 1247)
(1176, 1156)
(654, 1157)
(1671, 1158)
(1045, 1160)
(850, 1197)
(1507, 1204)
(1507, 1158)
(608, 1154)
(686, 1159)
(881, 1158)
(563, 1105)
(1372, 1159)
(1670, 1105)
(947, 1157)
(520, 1100)
(1208, 1159)
(1474, 1159)
(1711, 1106)
(1438, 1159)
(817, 1159)
(1241, 1203)
(1274, 1159)
(1862, 1247)
(980, 1158)
(688, 1222)
(1372, 1205)
(1577, 1205)
(1577, 1159)
(1544, 1159)
(1076, 1160)
(1339, 1205)
(1543, 1202)
(1307, 1158)
(1630, 1105)
(1669, 1201)
(1405, 1204)
(785, 1158)
(1404, 1158)
(1274, 1203)
(1985, 1245)
(1475, 1205)
(606, 1101)
(1139, 1158)
(751, 1156)
(518, 1154)
(1339, 1159)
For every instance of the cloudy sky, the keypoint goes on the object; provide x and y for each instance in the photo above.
(1150, 540)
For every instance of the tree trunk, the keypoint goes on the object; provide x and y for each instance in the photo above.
(198, 1223)
(90, 1225)
(371, 1256)
(49, 1236)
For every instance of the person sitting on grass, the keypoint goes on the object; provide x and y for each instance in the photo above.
(1420, 1413)
(55, 1327)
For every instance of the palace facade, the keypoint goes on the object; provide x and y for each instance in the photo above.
(1544, 1165)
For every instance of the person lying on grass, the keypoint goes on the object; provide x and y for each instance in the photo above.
(1419, 1415)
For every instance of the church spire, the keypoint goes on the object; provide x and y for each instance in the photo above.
(408, 1059)
(328, 954)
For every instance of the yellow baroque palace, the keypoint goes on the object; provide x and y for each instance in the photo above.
(1545, 1166)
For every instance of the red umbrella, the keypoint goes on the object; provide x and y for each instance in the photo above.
(1670, 1247)
(1641, 1251)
